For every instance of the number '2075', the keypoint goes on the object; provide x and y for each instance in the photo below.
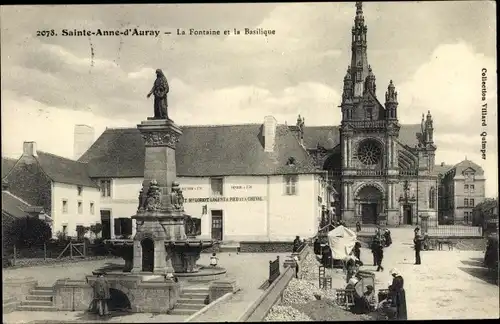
(45, 33)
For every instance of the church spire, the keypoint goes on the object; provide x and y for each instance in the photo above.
(359, 59)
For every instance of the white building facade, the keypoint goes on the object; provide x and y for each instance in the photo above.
(232, 208)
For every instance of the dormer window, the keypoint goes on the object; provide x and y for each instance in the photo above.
(291, 161)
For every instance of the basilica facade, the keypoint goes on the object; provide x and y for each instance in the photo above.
(380, 172)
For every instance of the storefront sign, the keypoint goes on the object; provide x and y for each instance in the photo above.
(191, 188)
(223, 199)
(241, 187)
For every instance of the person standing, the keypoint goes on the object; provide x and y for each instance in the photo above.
(101, 294)
(397, 292)
(357, 250)
(417, 241)
(296, 260)
(296, 244)
(380, 257)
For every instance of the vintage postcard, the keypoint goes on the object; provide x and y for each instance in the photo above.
(249, 162)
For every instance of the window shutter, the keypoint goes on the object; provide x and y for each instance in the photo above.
(117, 222)
(127, 226)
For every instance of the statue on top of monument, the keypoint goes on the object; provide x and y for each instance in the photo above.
(160, 90)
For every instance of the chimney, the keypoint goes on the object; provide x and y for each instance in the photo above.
(29, 148)
(84, 137)
(269, 133)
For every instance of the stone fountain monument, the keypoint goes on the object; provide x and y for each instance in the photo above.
(165, 240)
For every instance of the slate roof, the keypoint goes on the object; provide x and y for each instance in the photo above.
(14, 206)
(464, 165)
(221, 150)
(329, 137)
(442, 169)
(64, 170)
(7, 165)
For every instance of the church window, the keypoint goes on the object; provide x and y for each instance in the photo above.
(369, 152)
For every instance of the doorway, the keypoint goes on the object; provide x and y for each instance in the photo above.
(148, 254)
(369, 213)
(408, 215)
(106, 224)
(217, 225)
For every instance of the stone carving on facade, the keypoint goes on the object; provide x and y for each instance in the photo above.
(161, 139)
(407, 195)
(151, 201)
(176, 197)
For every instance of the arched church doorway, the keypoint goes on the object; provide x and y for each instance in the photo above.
(148, 254)
(118, 301)
(370, 202)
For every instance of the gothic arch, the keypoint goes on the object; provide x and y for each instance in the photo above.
(333, 161)
(140, 236)
(369, 184)
(371, 138)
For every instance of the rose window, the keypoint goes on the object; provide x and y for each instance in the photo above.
(369, 153)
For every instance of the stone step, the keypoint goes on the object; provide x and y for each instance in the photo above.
(40, 297)
(29, 308)
(189, 306)
(200, 290)
(197, 301)
(193, 295)
(44, 288)
(43, 291)
(36, 303)
(182, 311)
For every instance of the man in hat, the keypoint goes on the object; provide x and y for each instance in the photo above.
(417, 241)
(101, 294)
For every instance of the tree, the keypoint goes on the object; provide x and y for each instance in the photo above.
(484, 211)
(29, 231)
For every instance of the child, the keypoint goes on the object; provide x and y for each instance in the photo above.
(213, 260)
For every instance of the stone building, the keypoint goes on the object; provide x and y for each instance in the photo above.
(461, 188)
(60, 187)
(249, 182)
(383, 171)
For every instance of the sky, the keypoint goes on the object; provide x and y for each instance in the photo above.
(434, 52)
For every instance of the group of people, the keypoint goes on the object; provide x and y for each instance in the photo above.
(380, 240)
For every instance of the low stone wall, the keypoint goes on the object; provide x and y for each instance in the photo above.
(266, 247)
(274, 293)
(144, 296)
(18, 288)
(219, 288)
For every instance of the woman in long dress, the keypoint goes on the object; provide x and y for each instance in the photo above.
(160, 90)
(398, 295)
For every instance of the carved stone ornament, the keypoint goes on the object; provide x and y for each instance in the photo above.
(176, 197)
(161, 139)
(151, 200)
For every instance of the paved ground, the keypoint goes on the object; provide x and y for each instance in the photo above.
(447, 285)
(250, 270)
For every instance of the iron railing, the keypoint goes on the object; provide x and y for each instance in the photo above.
(455, 230)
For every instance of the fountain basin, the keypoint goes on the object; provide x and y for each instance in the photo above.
(182, 254)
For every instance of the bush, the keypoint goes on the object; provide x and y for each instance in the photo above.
(29, 231)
